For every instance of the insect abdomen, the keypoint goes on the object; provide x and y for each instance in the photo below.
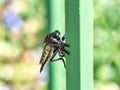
(45, 54)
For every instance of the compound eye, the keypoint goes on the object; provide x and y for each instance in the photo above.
(56, 31)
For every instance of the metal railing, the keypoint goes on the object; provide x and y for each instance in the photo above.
(79, 34)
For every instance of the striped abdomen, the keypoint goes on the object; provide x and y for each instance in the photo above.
(45, 56)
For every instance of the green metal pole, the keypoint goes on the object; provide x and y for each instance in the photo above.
(73, 38)
(79, 31)
(86, 47)
(56, 21)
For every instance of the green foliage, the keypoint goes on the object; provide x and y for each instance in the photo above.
(18, 50)
(107, 41)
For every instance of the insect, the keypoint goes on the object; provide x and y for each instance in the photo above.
(54, 45)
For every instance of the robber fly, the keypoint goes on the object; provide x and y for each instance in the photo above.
(54, 44)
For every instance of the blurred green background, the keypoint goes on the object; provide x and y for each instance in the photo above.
(106, 44)
(23, 25)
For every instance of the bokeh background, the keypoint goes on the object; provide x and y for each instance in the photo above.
(23, 25)
(106, 44)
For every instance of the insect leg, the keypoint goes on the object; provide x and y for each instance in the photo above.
(65, 44)
(54, 54)
(66, 51)
(63, 38)
(60, 59)
(63, 62)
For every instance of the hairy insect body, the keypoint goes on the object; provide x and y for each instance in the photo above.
(53, 44)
